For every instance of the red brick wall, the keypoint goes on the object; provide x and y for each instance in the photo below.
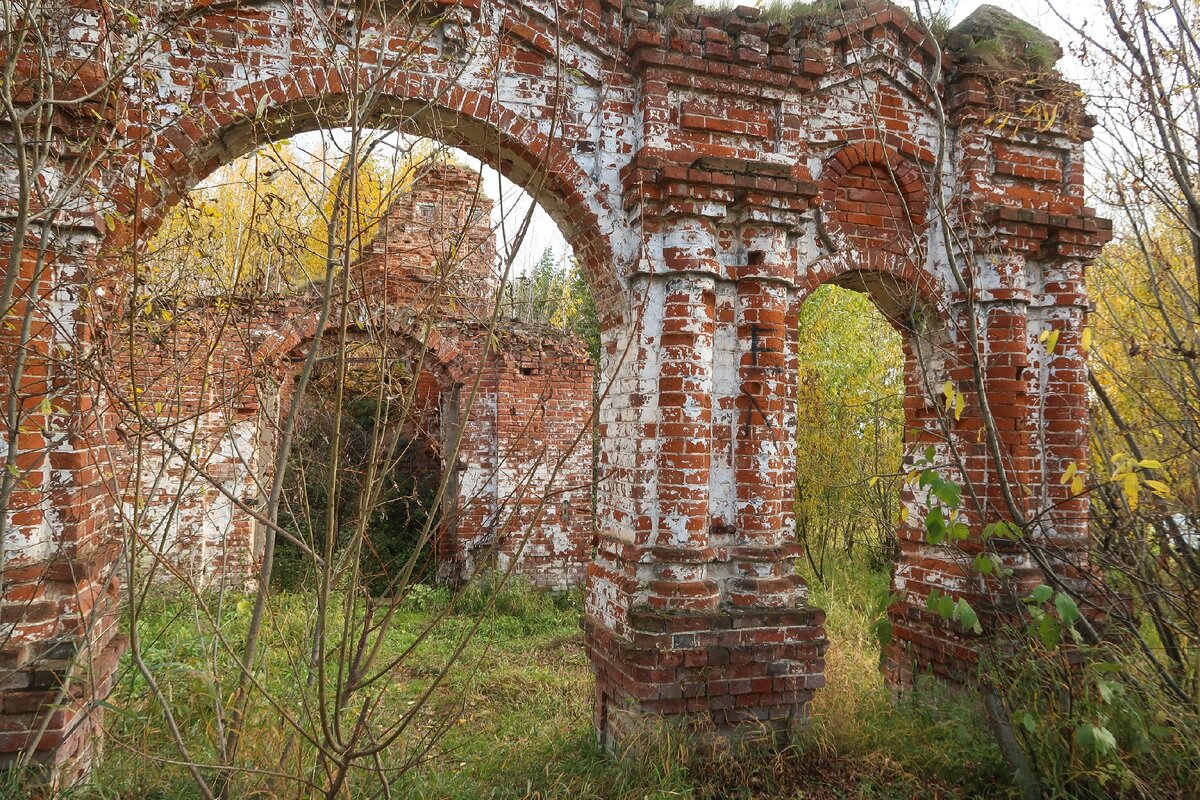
(703, 168)
(435, 249)
(188, 412)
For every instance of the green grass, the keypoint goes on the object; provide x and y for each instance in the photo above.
(520, 705)
(929, 742)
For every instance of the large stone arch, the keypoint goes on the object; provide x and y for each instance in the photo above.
(188, 150)
(688, 155)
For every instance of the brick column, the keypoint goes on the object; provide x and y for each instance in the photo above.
(1061, 431)
(59, 595)
(58, 592)
(693, 607)
(924, 642)
(679, 545)
(764, 550)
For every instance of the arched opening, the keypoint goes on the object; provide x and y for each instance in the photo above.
(850, 437)
(427, 282)
(851, 443)
(387, 415)
(885, 401)
(430, 110)
(440, 436)
(872, 369)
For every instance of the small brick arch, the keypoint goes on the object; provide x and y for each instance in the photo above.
(875, 203)
(292, 339)
(869, 188)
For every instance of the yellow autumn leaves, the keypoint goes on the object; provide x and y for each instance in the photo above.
(274, 220)
(850, 417)
(956, 401)
(1130, 473)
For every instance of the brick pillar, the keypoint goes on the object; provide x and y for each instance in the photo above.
(694, 613)
(59, 595)
(924, 642)
(763, 551)
(58, 592)
(680, 546)
(1061, 432)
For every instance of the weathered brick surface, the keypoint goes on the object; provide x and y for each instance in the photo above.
(710, 171)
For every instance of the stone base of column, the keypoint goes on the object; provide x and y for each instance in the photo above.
(727, 675)
(927, 644)
(924, 643)
(60, 726)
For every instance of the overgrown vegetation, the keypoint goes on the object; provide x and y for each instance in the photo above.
(347, 682)
(520, 700)
(851, 382)
(402, 502)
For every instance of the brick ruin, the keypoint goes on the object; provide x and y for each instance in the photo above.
(217, 381)
(709, 169)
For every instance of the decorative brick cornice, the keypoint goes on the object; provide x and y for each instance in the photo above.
(1044, 235)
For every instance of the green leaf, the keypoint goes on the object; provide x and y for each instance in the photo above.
(1096, 738)
(940, 604)
(959, 531)
(1049, 631)
(1067, 610)
(1028, 721)
(883, 631)
(967, 616)
(984, 564)
(948, 492)
(935, 527)
(1042, 593)
(124, 712)
(930, 452)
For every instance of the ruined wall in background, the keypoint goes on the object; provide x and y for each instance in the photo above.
(212, 384)
(193, 413)
(526, 471)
